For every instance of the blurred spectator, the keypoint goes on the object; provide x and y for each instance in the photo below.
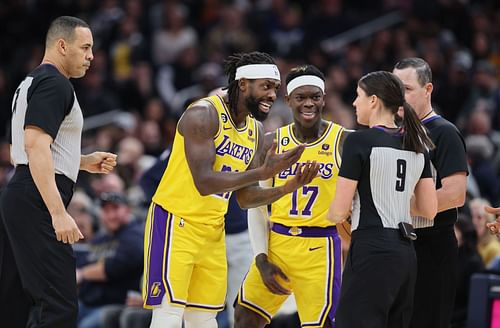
(230, 35)
(485, 86)
(151, 139)
(488, 246)
(95, 97)
(479, 123)
(6, 167)
(5, 103)
(455, 87)
(128, 48)
(130, 315)
(179, 75)
(287, 36)
(106, 183)
(208, 77)
(479, 152)
(104, 22)
(469, 263)
(174, 37)
(81, 210)
(138, 90)
(113, 264)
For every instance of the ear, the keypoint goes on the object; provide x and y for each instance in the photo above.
(61, 46)
(243, 84)
(428, 89)
(287, 100)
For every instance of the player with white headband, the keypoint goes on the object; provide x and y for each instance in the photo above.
(302, 252)
(218, 148)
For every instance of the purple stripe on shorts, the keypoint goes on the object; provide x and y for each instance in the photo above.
(328, 288)
(337, 258)
(304, 231)
(333, 294)
(161, 219)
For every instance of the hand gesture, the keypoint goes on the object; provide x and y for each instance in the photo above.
(275, 163)
(98, 162)
(305, 174)
(65, 228)
(494, 226)
(269, 273)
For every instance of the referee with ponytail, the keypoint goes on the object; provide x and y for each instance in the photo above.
(382, 168)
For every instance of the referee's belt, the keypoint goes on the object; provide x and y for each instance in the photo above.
(304, 231)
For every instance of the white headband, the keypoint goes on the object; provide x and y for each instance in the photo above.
(258, 71)
(305, 80)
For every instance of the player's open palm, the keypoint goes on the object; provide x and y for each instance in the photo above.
(275, 163)
(66, 229)
(270, 274)
(304, 175)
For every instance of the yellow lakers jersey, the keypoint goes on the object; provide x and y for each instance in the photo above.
(308, 205)
(234, 148)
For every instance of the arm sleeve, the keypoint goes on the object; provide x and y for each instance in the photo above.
(352, 160)
(449, 155)
(258, 229)
(49, 102)
(258, 226)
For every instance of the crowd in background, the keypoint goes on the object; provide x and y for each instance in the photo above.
(152, 58)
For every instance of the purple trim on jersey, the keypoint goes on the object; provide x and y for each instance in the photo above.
(430, 119)
(304, 231)
(393, 132)
(161, 220)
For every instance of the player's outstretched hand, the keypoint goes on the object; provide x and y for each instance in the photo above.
(494, 227)
(270, 274)
(304, 175)
(275, 163)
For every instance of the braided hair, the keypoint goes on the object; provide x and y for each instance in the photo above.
(230, 66)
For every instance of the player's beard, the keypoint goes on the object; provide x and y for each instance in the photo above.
(252, 104)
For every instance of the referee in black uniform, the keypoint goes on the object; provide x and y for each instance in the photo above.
(45, 148)
(436, 246)
(382, 167)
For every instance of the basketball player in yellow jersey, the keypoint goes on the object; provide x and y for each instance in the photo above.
(302, 253)
(217, 149)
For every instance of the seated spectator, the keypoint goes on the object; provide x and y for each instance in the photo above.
(113, 265)
(479, 153)
(80, 208)
(469, 263)
(130, 315)
(488, 246)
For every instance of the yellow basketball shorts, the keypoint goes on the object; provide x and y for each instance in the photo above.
(312, 263)
(184, 261)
